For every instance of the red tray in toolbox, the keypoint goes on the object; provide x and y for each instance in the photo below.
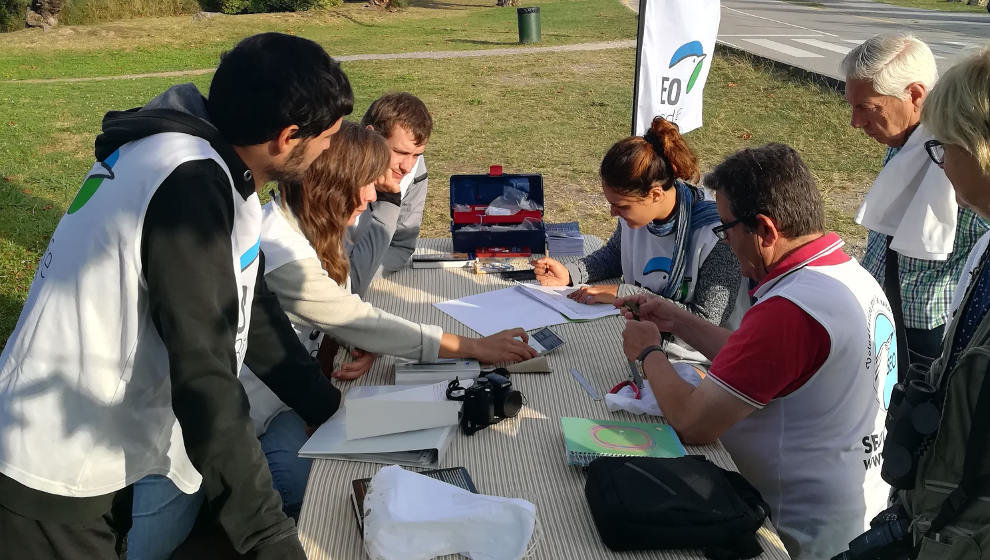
(477, 216)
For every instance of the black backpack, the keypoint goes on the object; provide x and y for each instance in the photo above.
(644, 503)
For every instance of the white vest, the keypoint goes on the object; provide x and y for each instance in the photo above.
(646, 258)
(646, 262)
(281, 244)
(85, 396)
(815, 454)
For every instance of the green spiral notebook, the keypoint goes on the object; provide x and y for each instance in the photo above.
(587, 440)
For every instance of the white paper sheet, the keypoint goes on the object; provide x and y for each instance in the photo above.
(491, 312)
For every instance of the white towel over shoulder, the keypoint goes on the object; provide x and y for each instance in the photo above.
(912, 200)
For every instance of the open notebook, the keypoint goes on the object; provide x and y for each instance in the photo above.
(586, 440)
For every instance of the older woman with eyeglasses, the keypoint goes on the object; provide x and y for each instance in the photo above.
(946, 507)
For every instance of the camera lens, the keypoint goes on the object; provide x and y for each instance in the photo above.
(510, 405)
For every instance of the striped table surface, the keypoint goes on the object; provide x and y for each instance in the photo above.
(521, 457)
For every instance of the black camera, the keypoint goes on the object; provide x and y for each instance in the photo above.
(889, 538)
(489, 400)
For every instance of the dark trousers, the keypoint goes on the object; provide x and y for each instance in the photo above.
(98, 538)
(924, 346)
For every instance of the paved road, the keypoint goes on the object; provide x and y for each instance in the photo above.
(816, 39)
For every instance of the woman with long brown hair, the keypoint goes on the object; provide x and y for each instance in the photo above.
(303, 234)
(666, 240)
(306, 265)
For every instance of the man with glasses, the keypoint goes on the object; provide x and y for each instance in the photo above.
(919, 236)
(798, 392)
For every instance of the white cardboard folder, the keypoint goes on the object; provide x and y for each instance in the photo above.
(416, 408)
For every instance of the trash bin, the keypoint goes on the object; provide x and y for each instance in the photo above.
(529, 24)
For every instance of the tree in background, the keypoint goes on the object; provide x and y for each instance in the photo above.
(12, 14)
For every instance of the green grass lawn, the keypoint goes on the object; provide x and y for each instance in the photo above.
(551, 113)
(182, 43)
(936, 5)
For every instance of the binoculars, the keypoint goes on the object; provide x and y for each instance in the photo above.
(913, 418)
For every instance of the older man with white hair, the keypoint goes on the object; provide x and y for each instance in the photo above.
(918, 234)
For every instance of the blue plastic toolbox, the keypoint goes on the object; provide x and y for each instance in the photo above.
(471, 229)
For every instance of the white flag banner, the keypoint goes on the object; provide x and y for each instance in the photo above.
(676, 42)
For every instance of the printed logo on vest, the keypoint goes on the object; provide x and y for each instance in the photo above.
(658, 264)
(93, 181)
(882, 354)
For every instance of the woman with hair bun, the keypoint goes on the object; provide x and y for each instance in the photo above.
(664, 241)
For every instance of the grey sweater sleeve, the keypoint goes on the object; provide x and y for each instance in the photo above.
(370, 240)
(602, 264)
(715, 292)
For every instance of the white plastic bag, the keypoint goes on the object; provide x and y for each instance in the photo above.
(409, 516)
(626, 399)
(512, 201)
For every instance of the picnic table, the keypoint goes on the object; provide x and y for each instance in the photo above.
(521, 457)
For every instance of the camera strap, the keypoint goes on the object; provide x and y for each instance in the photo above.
(892, 287)
(972, 480)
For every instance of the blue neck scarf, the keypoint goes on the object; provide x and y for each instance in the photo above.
(692, 213)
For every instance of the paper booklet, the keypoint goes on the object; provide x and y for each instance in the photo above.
(407, 408)
(556, 298)
(497, 310)
(411, 372)
(587, 440)
(418, 448)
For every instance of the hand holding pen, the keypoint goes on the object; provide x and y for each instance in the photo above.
(549, 272)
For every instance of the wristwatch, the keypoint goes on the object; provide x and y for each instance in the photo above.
(647, 351)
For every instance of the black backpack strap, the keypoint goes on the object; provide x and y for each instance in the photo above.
(892, 287)
(972, 480)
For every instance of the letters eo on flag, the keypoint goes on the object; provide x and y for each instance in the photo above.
(676, 42)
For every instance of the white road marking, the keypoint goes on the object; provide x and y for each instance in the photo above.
(823, 45)
(778, 21)
(782, 48)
